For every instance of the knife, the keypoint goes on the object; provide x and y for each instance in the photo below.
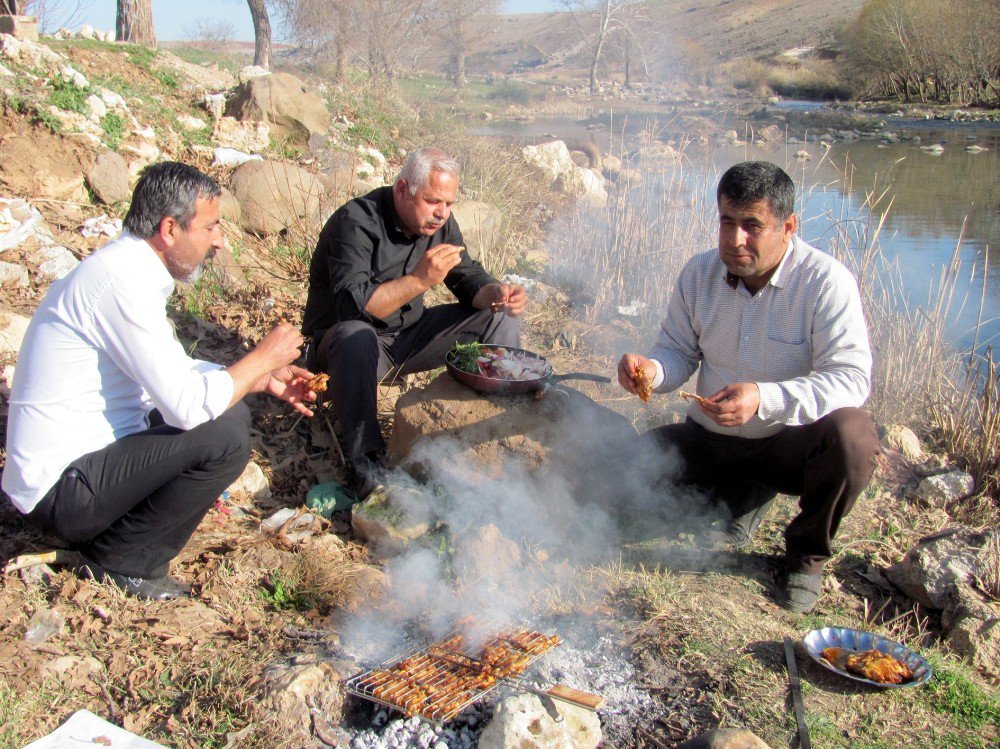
(796, 689)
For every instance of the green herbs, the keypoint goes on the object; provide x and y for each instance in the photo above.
(463, 356)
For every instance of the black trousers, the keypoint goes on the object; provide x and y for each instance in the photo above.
(132, 506)
(357, 358)
(827, 464)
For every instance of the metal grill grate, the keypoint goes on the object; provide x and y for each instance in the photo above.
(440, 680)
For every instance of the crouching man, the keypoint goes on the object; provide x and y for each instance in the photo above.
(119, 442)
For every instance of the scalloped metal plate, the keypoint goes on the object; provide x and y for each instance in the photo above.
(817, 640)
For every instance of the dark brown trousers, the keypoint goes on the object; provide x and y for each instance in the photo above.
(827, 464)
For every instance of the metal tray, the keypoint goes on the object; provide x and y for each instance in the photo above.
(817, 640)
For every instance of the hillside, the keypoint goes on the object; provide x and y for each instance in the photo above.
(725, 29)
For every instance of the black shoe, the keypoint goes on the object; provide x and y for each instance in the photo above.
(366, 474)
(802, 592)
(741, 529)
(151, 589)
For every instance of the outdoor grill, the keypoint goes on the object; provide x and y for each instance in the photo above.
(442, 679)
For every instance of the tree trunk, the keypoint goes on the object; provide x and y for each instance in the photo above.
(340, 63)
(628, 62)
(8, 8)
(134, 22)
(261, 34)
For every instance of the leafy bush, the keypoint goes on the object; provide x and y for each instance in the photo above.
(514, 93)
(68, 96)
(113, 125)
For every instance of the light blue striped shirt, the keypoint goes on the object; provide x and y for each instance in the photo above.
(802, 339)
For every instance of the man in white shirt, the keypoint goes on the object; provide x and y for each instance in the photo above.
(778, 331)
(117, 441)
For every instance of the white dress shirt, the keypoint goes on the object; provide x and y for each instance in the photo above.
(98, 356)
(802, 339)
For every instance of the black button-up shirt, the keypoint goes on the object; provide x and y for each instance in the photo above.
(362, 245)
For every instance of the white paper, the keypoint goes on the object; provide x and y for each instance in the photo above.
(85, 729)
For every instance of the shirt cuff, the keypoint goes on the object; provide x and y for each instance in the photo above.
(219, 388)
(659, 376)
(772, 402)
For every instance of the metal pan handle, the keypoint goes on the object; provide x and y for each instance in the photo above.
(553, 379)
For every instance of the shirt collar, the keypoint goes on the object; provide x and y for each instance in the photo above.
(149, 263)
(778, 278)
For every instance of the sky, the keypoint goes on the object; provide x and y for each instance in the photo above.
(173, 19)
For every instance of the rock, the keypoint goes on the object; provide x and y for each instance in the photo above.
(109, 178)
(770, 134)
(229, 207)
(62, 187)
(228, 132)
(12, 329)
(724, 738)
(232, 157)
(973, 627)
(484, 554)
(12, 274)
(938, 491)
(191, 123)
(145, 153)
(250, 72)
(54, 261)
(941, 562)
(75, 76)
(898, 437)
(275, 196)
(522, 722)
(72, 668)
(227, 270)
(583, 183)
(803, 155)
(293, 691)
(215, 105)
(29, 53)
(23, 28)
(97, 107)
(338, 169)
(252, 484)
(565, 433)
(551, 158)
(481, 224)
(391, 519)
(293, 110)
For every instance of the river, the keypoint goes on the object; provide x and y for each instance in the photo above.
(934, 202)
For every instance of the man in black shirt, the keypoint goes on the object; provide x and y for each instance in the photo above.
(375, 259)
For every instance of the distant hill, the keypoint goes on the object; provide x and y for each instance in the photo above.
(724, 29)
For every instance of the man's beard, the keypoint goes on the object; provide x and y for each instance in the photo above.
(183, 272)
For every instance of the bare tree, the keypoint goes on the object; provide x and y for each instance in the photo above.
(600, 21)
(51, 14)
(8, 8)
(134, 22)
(469, 24)
(210, 33)
(261, 33)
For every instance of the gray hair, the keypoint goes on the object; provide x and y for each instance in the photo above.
(751, 181)
(167, 189)
(421, 163)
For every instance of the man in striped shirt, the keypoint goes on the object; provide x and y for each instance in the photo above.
(778, 331)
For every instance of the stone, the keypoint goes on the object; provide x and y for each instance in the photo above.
(564, 433)
(724, 738)
(191, 123)
(54, 261)
(552, 158)
(583, 183)
(293, 110)
(973, 626)
(770, 134)
(392, 518)
(252, 484)
(484, 554)
(228, 132)
(902, 438)
(23, 28)
(72, 668)
(144, 153)
(941, 562)
(337, 169)
(232, 157)
(481, 224)
(97, 107)
(522, 722)
(225, 267)
(294, 691)
(12, 274)
(275, 196)
(229, 207)
(938, 491)
(215, 105)
(12, 329)
(29, 53)
(75, 76)
(252, 71)
(109, 178)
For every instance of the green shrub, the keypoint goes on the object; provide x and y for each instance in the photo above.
(45, 117)
(113, 125)
(68, 96)
(514, 93)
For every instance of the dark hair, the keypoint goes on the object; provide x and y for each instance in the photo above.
(750, 181)
(167, 189)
